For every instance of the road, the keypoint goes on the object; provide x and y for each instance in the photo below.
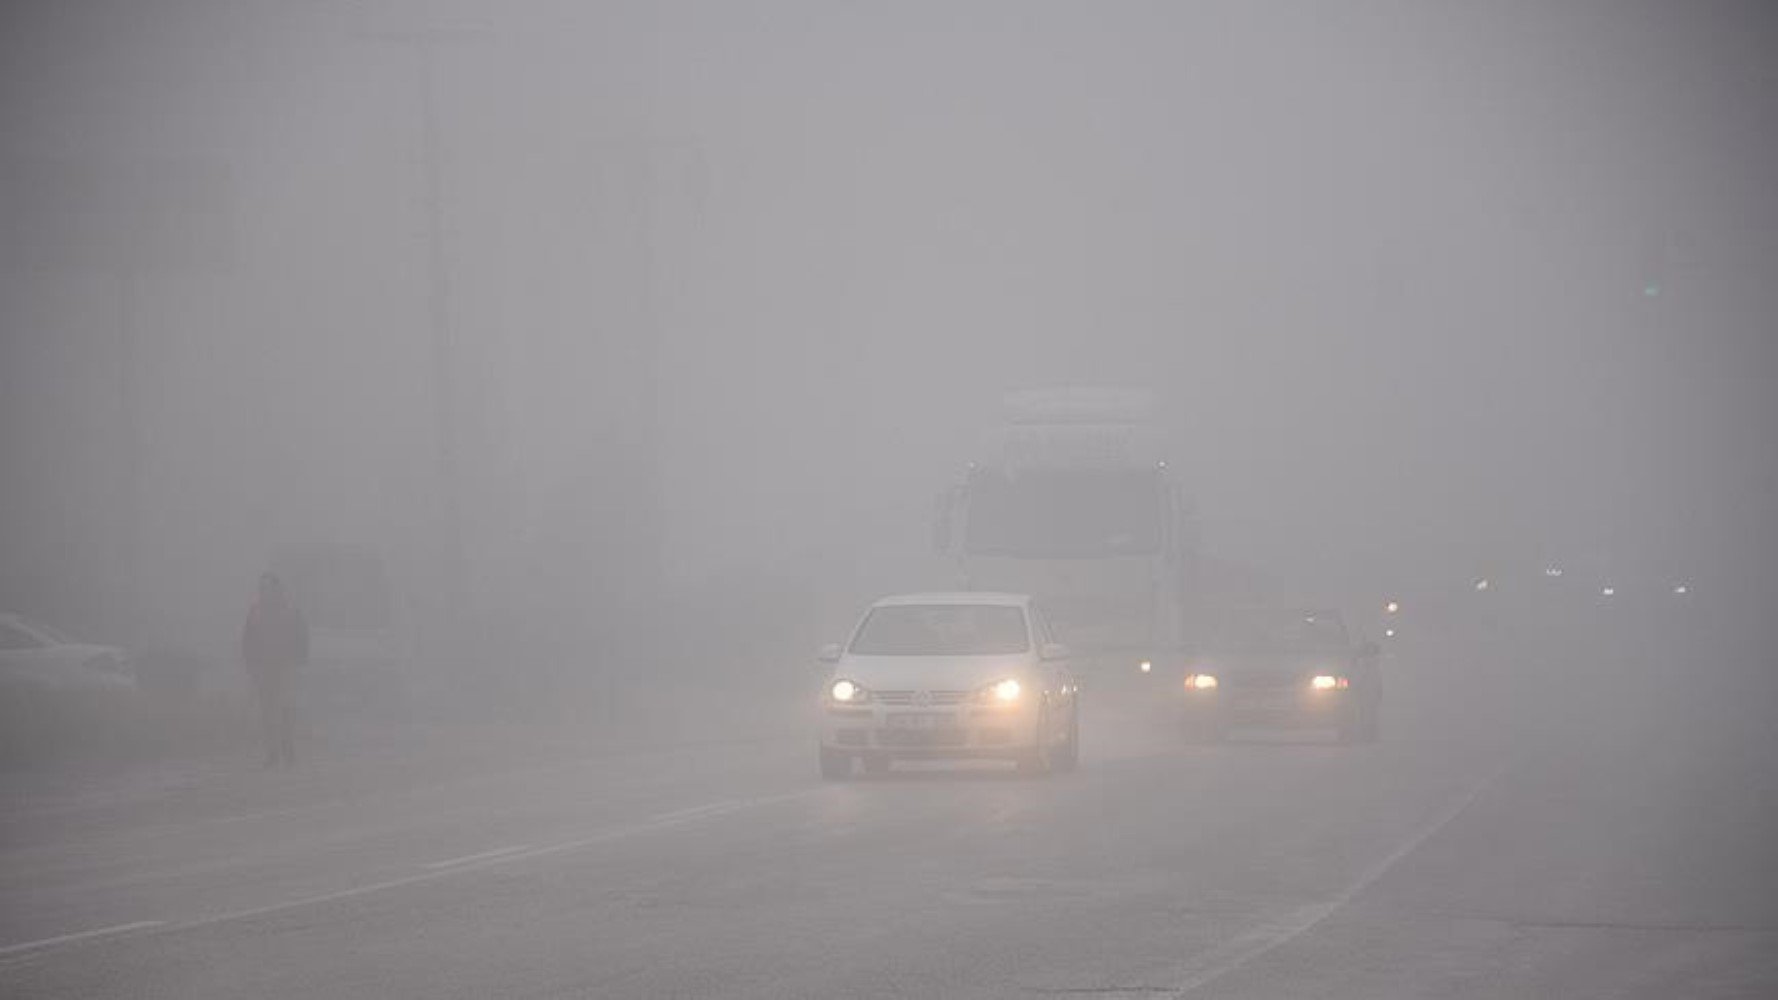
(1480, 850)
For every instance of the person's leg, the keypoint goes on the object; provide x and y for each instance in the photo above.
(269, 707)
(286, 730)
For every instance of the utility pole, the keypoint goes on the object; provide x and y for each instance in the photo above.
(444, 347)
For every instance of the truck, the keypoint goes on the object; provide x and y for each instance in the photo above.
(1071, 498)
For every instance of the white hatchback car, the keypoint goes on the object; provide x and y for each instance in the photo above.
(34, 655)
(959, 675)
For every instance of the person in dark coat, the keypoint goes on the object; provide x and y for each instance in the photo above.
(274, 645)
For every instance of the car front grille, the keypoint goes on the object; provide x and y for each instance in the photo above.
(922, 737)
(912, 697)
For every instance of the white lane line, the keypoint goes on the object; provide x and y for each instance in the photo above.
(14, 949)
(1270, 934)
(467, 858)
(655, 824)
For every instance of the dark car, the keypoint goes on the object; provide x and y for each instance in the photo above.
(1273, 668)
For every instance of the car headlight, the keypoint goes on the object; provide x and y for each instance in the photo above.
(1200, 682)
(848, 692)
(1004, 692)
(1329, 682)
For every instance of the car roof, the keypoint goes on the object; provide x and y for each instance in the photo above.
(955, 597)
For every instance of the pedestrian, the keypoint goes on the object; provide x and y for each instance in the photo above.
(274, 645)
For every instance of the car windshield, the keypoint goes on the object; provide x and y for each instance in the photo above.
(942, 630)
(1064, 514)
(1283, 631)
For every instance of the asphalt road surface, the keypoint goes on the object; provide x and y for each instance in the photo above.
(1605, 844)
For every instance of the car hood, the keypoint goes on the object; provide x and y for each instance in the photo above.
(1239, 668)
(86, 652)
(930, 673)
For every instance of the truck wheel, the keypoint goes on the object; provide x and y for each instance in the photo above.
(835, 766)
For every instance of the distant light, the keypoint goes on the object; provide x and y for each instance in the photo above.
(1328, 682)
(1552, 571)
(1482, 584)
(1200, 682)
(1608, 592)
(1388, 633)
(1145, 666)
(1682, 590)
(1160, 465)
(1392, 607)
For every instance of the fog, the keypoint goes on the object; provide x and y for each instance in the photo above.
(632, 342)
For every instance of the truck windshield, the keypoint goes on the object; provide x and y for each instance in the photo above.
(1064, 514)
(942, 630)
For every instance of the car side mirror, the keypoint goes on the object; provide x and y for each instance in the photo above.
(1053, 651)
(829, 653)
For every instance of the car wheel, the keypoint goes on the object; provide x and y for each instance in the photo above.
(1372, 727)
(835, 766)
(1067, 757)
(1359, 726)
(1037, 761)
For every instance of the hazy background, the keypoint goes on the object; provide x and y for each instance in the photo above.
(1428, 290)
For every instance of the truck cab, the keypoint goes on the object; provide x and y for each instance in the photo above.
(1072, 500)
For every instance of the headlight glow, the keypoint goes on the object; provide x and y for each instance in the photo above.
(1006, 690)
(846, 691)
(1200, 682)
(1145, 666)
(1328, 682)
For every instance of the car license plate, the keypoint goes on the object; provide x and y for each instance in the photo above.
(917, 720)
(1266, 699)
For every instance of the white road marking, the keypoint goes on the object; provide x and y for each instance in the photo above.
(655, 824)
(467, 858)
(1270, 934)
(436, 871)
(14, 949)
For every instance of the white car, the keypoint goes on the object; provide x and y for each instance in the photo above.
(958, 675)
(34, 655)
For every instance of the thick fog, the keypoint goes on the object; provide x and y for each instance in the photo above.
(632, 343)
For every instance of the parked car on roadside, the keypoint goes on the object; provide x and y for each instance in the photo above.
(35, 655)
